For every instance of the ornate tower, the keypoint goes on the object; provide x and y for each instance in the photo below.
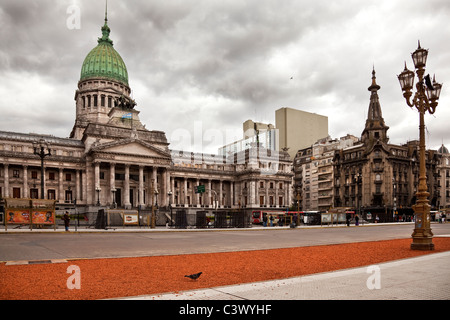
(103, 82)
(375, 129)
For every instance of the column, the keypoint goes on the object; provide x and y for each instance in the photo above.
(154, 185)
(257, 184)
(61, 197)
(96, 175)
(25, 181)
(6, 175)
(126, 187)
(112, 182)
(220, 194)
(172, 188)
(197, 195)
(84, 186)
(277, 185)
(167, 188)
(209, 194)
(77, 185)
(287, 198)
(266, 185)
(252, 195)
(232, 194)
(184, 192)
(141, 186)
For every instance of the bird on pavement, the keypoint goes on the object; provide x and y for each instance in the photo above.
(194, 276)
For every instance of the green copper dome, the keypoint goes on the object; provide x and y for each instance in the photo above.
(104, 61)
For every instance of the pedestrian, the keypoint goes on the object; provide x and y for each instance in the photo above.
(271, 220)
(377, 218)
(66, 219)
(356, 220)
(443, 217)
(347, 219)
(264, 220)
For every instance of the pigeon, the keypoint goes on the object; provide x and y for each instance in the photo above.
(194, 276)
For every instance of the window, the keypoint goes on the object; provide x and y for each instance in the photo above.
(51, 194)
(261, 184)
(95, 100)
(34, 174)
(51, 176)
(16, 173)
(68, 177)
(102, 103)
(16, 192)
(34, 193)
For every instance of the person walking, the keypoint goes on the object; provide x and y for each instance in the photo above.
(264, 220)
(356, 220)
(66, 219)
(271, 220)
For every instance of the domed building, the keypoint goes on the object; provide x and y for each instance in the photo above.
(110, 159)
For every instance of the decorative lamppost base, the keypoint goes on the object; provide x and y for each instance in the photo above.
(422, 243)
(422, 235)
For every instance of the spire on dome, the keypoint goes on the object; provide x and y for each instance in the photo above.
(105, 29)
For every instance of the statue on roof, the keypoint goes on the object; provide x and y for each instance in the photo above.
(124, 103)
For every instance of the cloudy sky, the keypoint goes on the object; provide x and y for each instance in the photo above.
(200, 68)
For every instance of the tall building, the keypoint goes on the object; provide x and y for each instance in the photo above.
(299, 129)
(255, 134)
(112, 160)
(313, 173)
(378, 178)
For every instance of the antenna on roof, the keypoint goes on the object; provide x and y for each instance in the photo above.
(106, 11)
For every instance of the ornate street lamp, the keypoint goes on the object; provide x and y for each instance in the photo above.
(98, 189)
(425, 99)
(39, 149)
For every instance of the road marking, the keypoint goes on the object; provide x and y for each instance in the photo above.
(23, 262)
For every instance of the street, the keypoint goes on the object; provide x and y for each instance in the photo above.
(76, 245)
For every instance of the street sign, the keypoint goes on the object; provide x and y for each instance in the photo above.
(200, 189)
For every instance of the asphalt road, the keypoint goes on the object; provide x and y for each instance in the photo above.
(60, 245)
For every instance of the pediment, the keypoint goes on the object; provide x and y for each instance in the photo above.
(131, 147)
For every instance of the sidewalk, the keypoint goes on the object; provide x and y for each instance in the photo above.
(25, 229)
(422, 278)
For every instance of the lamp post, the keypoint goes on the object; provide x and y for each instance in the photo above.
(98, 189)
(425, 99)
(39, 149)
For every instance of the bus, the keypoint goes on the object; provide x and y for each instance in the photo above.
(258, 215)
(280, 217)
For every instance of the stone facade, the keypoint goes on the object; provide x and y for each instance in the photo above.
(112, 160)
(376, 177)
